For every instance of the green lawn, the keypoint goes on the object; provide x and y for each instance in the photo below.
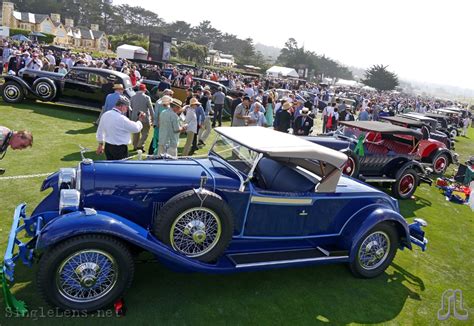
(408, 293)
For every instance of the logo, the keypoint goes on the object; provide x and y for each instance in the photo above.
(452, 305)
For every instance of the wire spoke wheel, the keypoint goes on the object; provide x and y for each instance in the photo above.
(374, 250)
(195, 232)
(86, 275)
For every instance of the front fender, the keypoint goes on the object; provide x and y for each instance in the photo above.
(376, 216)
(79, 222)
(50, 202)
(26, 88)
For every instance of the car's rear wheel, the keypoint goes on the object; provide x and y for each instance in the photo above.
(375, 251)
(351, 168)
(406, 184)
(12, 92)
(45, 89)
(85, 273)
(440, 163)
(453, 133)
(197, 225)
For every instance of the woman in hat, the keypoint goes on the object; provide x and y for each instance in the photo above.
(269, 108)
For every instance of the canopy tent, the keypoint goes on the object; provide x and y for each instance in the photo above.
(20, 37)
(126, 51)
(368, 88)
(277, 71)
(347, 82)
(37, 34)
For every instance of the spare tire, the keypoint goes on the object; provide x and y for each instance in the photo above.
(352, 166)
(44, 89)
(198, 226)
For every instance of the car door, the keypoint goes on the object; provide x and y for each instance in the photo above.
(299, 215)
(77, 89)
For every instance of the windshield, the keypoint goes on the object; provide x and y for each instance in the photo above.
(240, 157)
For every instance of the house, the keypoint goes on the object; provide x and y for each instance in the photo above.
(65, 34)
(217, 58)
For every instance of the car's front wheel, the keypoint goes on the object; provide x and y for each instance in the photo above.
(405, 185)
(199, 226)
(12, 92)
(375, 251)
(440, 163)
(85, 273)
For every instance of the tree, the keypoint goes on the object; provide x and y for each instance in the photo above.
(380, 78)
(192, 52)
(180, 30)
(205, 34)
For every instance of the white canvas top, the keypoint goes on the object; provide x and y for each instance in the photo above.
(278, 144)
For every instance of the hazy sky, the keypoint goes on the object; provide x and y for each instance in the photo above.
(431, 41)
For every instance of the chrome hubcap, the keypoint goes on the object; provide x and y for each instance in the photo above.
(11, 92)
(43, 89)
(195, 232)
(374, 250)
(86, 276)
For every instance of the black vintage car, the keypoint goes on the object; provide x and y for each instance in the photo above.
(81, 86)
(444, 124)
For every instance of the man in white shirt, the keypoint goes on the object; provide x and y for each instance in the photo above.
(113, 133)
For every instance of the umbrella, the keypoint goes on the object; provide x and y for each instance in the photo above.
(20, 37)
(37, 34)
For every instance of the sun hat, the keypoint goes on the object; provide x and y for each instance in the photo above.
(194, 101)
(286, 106)
(118, 86)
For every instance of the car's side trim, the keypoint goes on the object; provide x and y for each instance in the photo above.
(290, 261)
(281, 201)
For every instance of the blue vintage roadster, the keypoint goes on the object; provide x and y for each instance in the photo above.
(261, 199)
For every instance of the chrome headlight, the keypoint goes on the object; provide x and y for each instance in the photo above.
(67, 178)
(69, 200)
(78, 177)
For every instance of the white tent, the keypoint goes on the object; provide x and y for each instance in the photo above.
(126, 51)
(347, 82)
(277, 71)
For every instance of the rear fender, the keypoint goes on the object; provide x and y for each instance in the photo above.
(451, 157)
(369, 218)
(26, 88)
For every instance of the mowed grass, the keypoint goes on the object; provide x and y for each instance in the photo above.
(408, 293)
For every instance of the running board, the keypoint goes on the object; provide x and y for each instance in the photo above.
(268, 258)
(376, 179)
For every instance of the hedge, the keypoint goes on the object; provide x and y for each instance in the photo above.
(49, 38)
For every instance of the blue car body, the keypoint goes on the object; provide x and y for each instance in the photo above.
(271, 227)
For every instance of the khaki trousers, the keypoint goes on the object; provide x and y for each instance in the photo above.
(189, 143)
(139, 138)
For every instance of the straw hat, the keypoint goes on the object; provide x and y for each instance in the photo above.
(194, 101)
(304, 111)
(286, 106)
(166, 100)
(118, 86)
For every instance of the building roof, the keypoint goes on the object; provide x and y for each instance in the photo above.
(28, 17)
(98, 34)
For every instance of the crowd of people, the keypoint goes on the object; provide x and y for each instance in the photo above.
(287, 105)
